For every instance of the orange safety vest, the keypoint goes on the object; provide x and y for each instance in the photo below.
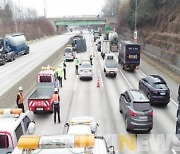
(21, 98)
(55, 98)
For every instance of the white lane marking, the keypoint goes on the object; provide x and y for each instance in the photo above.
(75, 83)
(101, 78)
(174, 152)
(173, 101)
(125, 79)
(164, 75)
(142, 72)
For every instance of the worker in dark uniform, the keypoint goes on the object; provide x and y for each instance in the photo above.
(56, 104)
(20, 99)
(91, 58)
(64, 69)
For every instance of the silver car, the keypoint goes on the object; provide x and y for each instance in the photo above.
(69, 53)
(137, 111)
(85, 70)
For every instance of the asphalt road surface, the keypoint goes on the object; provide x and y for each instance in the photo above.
(83, 98)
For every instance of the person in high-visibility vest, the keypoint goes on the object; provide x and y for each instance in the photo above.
(56, 105)
(20, 99)
(76, 62)
(60, 75)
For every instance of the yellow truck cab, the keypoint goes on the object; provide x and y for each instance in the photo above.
(13, 124)
(63, 144)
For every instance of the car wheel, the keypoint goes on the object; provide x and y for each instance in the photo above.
(104, 70)
(126, 124)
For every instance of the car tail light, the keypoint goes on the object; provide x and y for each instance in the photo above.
(151, 113)
(133, 114)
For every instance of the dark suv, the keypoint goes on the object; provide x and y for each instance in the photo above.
(156, 89)
(136, 109)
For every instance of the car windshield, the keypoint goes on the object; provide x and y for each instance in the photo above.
(68, 50)
(86, 65)
(141, 106)
(160, 85)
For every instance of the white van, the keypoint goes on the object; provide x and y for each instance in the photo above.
(69, 54)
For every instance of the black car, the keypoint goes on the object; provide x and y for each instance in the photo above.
(156, 89)
(137, 110)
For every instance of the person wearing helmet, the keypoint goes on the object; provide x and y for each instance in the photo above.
(56, 105)
(20, 99)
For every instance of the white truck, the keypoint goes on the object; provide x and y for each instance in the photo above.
(110, 65)
(105, 47)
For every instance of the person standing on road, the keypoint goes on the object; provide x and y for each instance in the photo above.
(20, 99)
(64, 69)
(56, 105)
(90, 58)
(60, 75)
(76, 62)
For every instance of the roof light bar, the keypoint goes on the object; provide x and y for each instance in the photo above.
(59, 141)
(10, 111)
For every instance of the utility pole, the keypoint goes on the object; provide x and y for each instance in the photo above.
(135, 24)
(45, 8)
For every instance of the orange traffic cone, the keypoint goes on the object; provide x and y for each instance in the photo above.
(98, 83)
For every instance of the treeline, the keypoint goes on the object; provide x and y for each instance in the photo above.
(26, 22)
(149, 12)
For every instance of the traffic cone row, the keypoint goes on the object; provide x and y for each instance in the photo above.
(98, 83)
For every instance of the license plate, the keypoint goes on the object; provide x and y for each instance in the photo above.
(111, 72)
(162, 94)
(143, 117)
(39, 109)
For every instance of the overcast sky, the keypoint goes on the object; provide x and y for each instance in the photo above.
(56, 8)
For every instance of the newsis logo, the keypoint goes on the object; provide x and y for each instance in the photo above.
(144, 142)
(149, 142)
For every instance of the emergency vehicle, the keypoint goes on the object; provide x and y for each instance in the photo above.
(41, 98)
(81, 125)
(13, 124)
(63, 144)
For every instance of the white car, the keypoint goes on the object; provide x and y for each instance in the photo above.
(85, 70)
(63, 144)
(69, 53)
(82, 125)
(13, 124)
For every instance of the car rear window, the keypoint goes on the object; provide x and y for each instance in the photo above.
(86, 65)
(45, 79)
(160, 85)
(68, 50)
(141, 106)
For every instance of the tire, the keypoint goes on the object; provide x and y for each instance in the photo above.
(126, 125)
(123, 67)
(104, 70)
(4, 61)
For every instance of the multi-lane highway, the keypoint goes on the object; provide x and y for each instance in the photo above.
(83, 98)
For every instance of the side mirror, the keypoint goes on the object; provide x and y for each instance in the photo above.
(31, 127)
(66, 124)
(111, 150)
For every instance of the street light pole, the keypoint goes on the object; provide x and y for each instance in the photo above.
(135, 24)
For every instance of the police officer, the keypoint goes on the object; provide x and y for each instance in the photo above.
(56, 104)
(20, 99)
(76, 62)
(60, 75)
(64, 69)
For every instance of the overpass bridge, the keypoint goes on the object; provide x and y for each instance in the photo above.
(63, 22)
